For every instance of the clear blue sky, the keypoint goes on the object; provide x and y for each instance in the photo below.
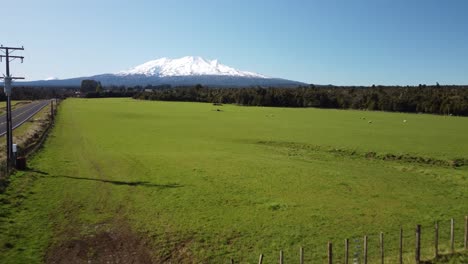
(338, 42)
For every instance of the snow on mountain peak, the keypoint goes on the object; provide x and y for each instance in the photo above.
(186, 66)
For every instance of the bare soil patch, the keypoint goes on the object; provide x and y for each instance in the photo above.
(118, 245)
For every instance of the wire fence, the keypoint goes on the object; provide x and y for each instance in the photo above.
(406, 245)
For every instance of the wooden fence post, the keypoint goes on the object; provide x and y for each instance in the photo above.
(466, 232)
(452, 236)
(382, 248)
(301, 255)
(436, 240)
(51, 110)
(365, 250)
(400, 249)
(417, 254)
(260, 259)
(346, 251)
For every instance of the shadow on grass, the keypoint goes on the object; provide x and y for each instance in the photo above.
(127, 183)
(37, 171)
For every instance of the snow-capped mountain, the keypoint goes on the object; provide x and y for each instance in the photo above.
(176, 72)
(186, 66)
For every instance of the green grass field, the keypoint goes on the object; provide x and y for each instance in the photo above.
(200, 185)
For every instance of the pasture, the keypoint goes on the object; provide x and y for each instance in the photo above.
(194, 182)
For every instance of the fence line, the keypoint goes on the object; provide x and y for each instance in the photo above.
(417, 246)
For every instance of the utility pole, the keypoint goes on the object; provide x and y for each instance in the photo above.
(7, 83)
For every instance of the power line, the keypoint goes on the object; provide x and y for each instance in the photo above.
(7, 89)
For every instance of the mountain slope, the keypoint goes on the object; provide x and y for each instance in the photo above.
(186, 66)
(176, 72)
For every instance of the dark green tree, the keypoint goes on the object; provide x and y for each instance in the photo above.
(88, 86)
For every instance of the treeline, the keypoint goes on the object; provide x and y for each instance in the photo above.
(110, 94)
(94, 89)
(437, 99)
(37, 93)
